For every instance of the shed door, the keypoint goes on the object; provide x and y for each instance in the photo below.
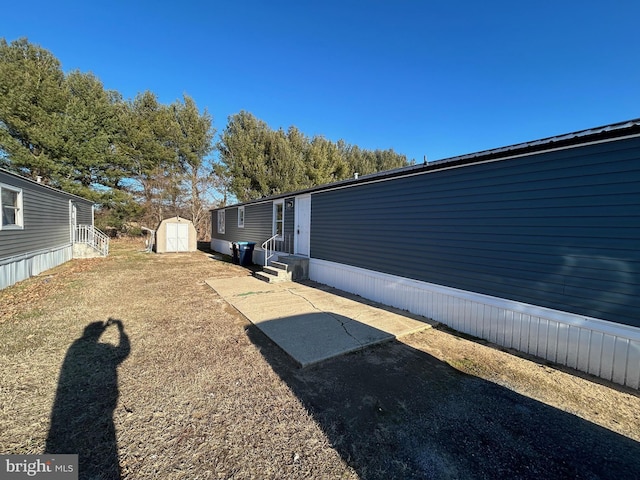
(177, 237)
(303, 225)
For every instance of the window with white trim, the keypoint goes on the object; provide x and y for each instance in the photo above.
(221, 218)
(240, 217)
(11, 207)
(278, 218)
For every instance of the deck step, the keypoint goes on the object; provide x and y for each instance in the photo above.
(274, 271)
(271, 278)
(279, 266)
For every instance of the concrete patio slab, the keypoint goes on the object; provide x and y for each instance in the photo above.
(313, 322)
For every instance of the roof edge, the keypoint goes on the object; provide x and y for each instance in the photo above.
(580, 137)
(26, 179)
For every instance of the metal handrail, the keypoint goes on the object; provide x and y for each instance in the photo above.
(269, 246)
(152, 241)
(90, 235)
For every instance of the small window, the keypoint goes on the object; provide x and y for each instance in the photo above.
(240, 217)
(11, 207)
(278, 218)
(221, 217)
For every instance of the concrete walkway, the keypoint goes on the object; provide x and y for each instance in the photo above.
(312, 322)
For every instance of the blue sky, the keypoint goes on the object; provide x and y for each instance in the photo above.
(425, 77)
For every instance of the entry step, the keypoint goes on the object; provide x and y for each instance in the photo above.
(275, 272)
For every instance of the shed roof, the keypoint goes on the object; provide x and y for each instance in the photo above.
(626, 129)
(175, 219)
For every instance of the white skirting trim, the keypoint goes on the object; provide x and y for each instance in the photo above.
(601, 348)
(224, 247)
(221, 246)
(18, 268)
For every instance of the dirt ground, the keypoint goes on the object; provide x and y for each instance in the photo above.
(134, 363)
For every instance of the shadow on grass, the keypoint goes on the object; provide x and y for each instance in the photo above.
(392, 411)
(87, 394)
(539, 360)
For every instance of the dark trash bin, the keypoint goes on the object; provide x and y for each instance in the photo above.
(245, 253)
(234, 257)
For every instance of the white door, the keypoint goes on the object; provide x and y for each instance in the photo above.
(303, 225)
(73, 220)
(177, 237)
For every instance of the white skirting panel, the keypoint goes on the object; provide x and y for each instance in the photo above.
(221, 246)
(224, 247)
(604, 349)
(18, 268)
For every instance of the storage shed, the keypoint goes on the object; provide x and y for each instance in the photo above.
(176, 234)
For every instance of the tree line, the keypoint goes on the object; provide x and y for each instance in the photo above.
(141, 160)
(256, 161)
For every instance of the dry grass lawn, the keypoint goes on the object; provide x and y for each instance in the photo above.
(185, 393)
(196, 398)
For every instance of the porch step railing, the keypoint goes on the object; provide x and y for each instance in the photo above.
(269, 247)
(277, 243)
(90, 235)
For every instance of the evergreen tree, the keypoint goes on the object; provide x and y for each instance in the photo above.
(32, 105)
(244, 153)
(262, 162)
(146, 145)
(140, 159)
(60, 129)
(72, 134)
(194, 144)
(87, 133)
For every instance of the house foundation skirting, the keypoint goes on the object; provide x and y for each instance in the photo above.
(605, 349)
(224, 247)
(20, 267)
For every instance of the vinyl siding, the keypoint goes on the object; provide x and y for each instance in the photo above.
(258, 220)
(45, 217)
(258, 224)
(289, 226)
(557, 229)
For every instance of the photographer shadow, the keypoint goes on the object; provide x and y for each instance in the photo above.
(86, 397)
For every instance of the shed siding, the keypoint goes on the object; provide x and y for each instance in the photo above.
(557, 229)
(163, 245)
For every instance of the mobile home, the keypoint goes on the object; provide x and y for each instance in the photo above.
(533, 246)
(41, 228)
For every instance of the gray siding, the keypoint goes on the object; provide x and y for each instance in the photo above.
(45, 216)
(289, 225)
(258, 225)
(557, 229)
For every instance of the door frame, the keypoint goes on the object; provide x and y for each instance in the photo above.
(73, 220)
(306, 229)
